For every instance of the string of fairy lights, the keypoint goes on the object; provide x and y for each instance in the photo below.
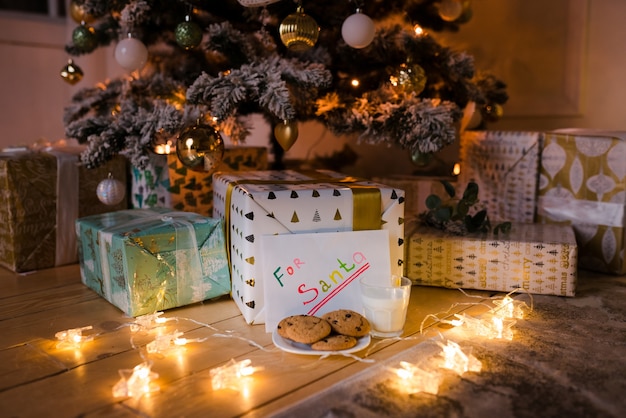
(410, 378)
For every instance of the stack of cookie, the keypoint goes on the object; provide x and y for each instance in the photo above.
(335, 331)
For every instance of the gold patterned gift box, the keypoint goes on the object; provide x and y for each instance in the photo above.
(531, 258)
(147, 260)
(583, 183)
(505, 166)
(193, 190)
(41, 196)
(259, 203)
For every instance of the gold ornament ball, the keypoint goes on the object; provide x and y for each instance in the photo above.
(492, 112)
(409, 78)
(71, 73)
(79, 13)
(200, 148)
(299, 31)
(286, 133)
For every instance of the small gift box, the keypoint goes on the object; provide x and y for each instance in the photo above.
(256, 203)
(532, 258)
(583, 183)
(193, 190)
(147, 260)
(42, 193)
(505, 166)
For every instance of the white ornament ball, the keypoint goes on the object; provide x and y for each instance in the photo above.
(111, 191)
(131, 54)
(358, 30)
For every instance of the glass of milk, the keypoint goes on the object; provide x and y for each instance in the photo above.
(385, 305)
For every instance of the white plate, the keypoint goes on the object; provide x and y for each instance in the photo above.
(299, 348)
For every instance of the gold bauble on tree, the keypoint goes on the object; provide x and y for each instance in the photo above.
(71, 72)
(79, 13)
(200, 148)
(286, 133)
(492, 112)
(299, 31)
(409, 78)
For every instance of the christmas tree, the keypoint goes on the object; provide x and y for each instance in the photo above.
(203, 63)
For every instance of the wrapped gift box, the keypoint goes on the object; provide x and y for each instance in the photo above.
(193, 190)
(41, 196)
(281, 202)
(147, 260)
(150, 186)
(583, 183)
(505, 166)
(416, 190)
(533, 258)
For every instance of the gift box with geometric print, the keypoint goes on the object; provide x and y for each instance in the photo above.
(583, 183)
(505, 166)
(193, 190)
(259, 203)
(150, 186)
(147, 260)
(42, 193)
(531, 258)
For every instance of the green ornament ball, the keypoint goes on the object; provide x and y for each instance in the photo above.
(188, 34)
(421, 159)
(84, 38)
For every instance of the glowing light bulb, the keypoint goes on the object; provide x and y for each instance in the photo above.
(413, 379)
(137, 382)
(456, 360)
(355, 82)
(149, 321)
(419, 31)
(508, 307)
(73, 337)
(456, 170)
(233, 375)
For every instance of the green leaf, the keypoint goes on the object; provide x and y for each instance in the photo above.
(462, 208)
(433, 201)
(449, 188)
(475, 223)
(504, 227)
(471, 193)
(443, 214)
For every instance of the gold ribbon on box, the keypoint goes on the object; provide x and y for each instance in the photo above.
(366, 203)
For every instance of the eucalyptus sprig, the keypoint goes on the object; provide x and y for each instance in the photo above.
(459, 216)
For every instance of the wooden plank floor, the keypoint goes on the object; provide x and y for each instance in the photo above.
(37, 376)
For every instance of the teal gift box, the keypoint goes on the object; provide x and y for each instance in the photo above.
(148, 260)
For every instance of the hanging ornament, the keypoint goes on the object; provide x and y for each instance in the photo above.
(79, 13)
(84, 38)
(131, 54)
(450, 10)
(421, 159)
(188, 34)
(492, 112)
(256, 3)
(299, 31)
(286, 133)
(467, 14)
(358, 30)
(111, 191)
(71, 72)
(409, 78)
(200, 148)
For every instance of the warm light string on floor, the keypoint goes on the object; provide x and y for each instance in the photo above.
(497, 323)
